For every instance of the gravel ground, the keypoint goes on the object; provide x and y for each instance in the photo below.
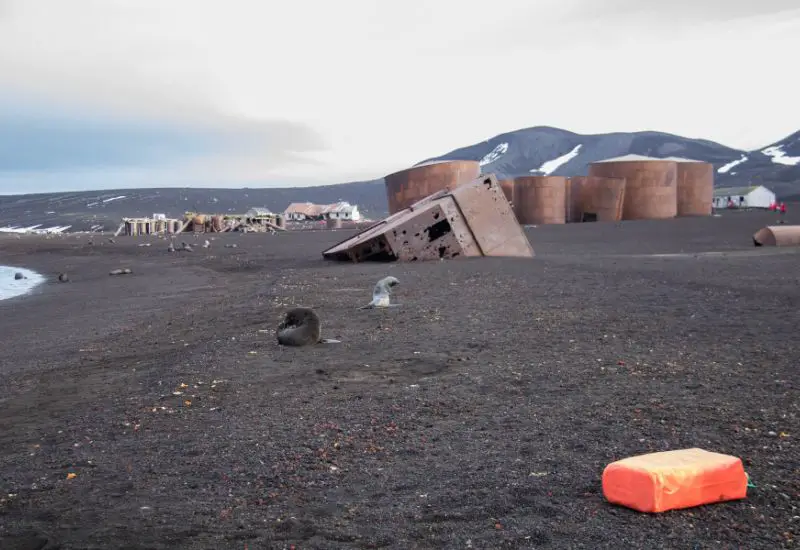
(156, 410)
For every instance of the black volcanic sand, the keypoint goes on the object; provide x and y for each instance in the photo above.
(479, 414)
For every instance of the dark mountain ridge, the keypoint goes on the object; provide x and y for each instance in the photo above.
(541, 150)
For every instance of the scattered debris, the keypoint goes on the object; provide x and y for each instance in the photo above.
(773, 235)
(63, 278)
(233, 245)
(125, 271)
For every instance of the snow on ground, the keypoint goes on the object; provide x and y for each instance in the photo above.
(494, 154)
(114, 198)
(551, 166)
(725, 169)
(779, 156)
(34, 229)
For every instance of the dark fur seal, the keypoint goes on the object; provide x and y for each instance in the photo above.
(18, 276)
(301, 327)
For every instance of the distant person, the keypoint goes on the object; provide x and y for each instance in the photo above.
(741, 202)
(773, 206)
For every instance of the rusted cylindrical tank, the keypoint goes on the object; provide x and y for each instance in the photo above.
(599, 198)
(280, 221)
(651, 186)
(408, 186)
(508, 189)
(778, 235)
(334, 223)
(540, 200)
(695, 188)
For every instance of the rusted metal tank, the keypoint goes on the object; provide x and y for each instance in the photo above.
(651, 185)
(508, 189)
(778, 235)
(540, 200)
(280, 221)
(695, 187)
(592, 198)
(334, 223)
(408, 186)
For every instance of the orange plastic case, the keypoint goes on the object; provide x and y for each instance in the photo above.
(671, 480)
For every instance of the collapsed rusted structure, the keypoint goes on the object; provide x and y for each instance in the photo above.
(409, 186)
(508, 189)
(651, 185)
(777, 235)
(472, 219)
(540, 199)
(592, 198)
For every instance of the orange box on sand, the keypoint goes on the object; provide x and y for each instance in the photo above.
(670, 480)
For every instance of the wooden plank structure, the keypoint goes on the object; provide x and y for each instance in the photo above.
(148, 226)
(201, 223)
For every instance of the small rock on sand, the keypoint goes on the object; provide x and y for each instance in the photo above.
(18, 276)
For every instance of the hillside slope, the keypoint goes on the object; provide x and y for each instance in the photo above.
(540, 150)
(543, 150)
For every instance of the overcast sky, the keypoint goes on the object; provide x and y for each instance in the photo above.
(119, 93)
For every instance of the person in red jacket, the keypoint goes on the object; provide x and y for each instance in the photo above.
(773, 206)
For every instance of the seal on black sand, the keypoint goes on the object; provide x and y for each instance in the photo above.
(381, 294)
(301, 327)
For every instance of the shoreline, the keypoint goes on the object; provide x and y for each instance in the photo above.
(11, 288)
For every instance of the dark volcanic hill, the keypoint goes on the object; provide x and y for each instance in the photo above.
(85, 209)
(540, 150)
(551, 151)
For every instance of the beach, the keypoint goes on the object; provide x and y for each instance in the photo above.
(156, 409)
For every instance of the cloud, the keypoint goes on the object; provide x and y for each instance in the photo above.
(313, 91)
(697, 11)
(40, 137)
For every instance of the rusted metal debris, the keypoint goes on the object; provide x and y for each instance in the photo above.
(778, 235)
(474, 219)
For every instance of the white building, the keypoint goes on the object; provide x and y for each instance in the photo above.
(341, 211)
(755, 196)
(305, 211)
(257, 212)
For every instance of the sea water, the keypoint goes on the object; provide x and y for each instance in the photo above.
(10, 287)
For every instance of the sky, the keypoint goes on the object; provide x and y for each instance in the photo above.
(150, 93)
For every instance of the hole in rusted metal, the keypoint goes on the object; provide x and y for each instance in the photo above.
(438, 230)
(589, 217)
(442, 251)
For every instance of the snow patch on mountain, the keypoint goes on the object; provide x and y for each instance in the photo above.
(550, 166)
(728, 167)
(494, 154)
(779, 156)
